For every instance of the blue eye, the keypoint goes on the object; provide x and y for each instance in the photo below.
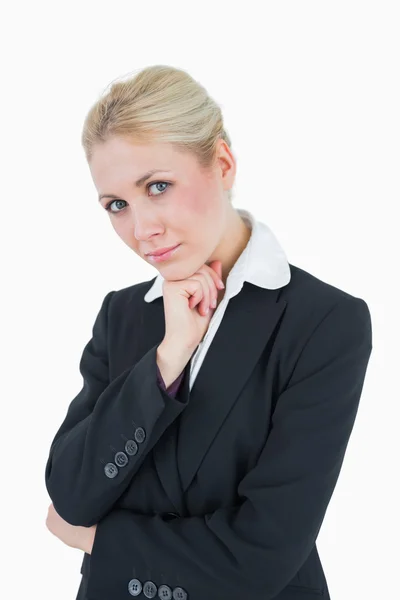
(157, 183)
(108, 207)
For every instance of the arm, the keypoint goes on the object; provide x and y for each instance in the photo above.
(83, 475)
(255, 549)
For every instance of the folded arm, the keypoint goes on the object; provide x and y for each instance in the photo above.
(108, 430)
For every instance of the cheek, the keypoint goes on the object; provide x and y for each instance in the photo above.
(124, 230)
(184, 215)
(121, 226)
(196, 208)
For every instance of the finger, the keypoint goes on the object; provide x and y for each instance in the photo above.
(202, 293)
(216, 265)
(215, 269)
(213, 290)
(219, 269)
(192, 288)
(196, 299)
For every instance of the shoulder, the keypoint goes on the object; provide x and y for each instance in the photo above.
(127, 297)
(310, 300)
(306, 287)
(309, 293)
(120, 306)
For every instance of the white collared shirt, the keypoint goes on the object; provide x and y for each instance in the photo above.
(263, 262)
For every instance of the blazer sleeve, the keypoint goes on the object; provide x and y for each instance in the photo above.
(108, 430)
(254, 549)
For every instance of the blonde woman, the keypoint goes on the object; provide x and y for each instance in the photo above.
(199, 458)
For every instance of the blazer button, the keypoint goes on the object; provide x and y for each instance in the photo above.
(169, 516)
(140, 435)
(121, 459)
(131, 447)
(150, 589)
(134, 587)
(164, 592)
(111, 470)
(179, 594)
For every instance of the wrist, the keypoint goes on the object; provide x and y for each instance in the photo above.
(175, 351)
(88, 538)
(171, 361)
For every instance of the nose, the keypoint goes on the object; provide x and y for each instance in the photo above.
(145, 224)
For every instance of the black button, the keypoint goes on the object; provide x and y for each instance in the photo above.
(121, 459)
(134, 587)
(150, 589)
(140, 435)
(169, 516)
(111, 470)
(131, 447)
(164, 592)
(179, 594)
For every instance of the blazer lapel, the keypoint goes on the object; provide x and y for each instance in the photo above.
(152, 332)
(247, 325)
(165, 458)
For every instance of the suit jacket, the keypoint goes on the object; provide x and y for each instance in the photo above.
(220, 492)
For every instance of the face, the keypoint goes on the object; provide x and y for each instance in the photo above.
(181, 204)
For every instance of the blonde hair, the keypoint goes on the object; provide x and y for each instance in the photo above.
(159, 104)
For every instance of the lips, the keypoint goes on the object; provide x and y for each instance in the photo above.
(164, 255)
(162, 251)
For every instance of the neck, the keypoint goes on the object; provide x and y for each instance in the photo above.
(233, 243)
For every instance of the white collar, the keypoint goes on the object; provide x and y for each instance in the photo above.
(263, 262)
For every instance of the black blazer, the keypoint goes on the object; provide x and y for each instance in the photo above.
(220, 493)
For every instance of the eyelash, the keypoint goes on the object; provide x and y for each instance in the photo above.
(108, 206)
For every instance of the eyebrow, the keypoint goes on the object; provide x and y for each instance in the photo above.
(138, 183)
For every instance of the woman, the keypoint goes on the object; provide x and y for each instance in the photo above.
(199, 458)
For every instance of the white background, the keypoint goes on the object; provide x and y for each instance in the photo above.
(310, 96)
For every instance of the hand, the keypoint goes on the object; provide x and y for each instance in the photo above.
(72, 535)
(184, 326)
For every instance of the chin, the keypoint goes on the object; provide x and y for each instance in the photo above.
(176, 272)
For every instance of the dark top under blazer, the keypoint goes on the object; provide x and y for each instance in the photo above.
(250, 470)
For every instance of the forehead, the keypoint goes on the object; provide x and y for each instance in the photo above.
(120, 157)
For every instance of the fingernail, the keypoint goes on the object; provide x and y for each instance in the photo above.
(207, 310)
(221, 283)
(214, 303)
